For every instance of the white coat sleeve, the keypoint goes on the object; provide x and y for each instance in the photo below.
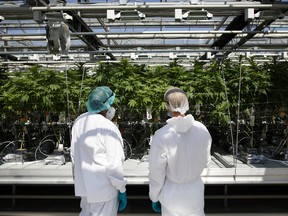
(209, 150)
(72, 148)
(115, 158)
(157, 168)
(72, 144)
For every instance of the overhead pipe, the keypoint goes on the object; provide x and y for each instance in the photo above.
(151, 6)
(181, 36)
(277, 23)
(221, 24)
(153, 46)
(162, 32)
(196, 32)
(89, 64)
(145, 6)
(143, 36)
(148, 51)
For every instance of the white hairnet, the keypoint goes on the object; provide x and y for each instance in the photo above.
(177, 100)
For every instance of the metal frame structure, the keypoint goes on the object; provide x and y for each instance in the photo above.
(37, 174)
(146, 31)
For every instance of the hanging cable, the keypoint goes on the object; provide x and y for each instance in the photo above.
(238, 112)
(68, 101)
(81, 89)
(229, 112)
(67, 92)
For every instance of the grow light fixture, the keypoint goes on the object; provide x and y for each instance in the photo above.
(56, 57)
(249, 14)
(284, 55)
(23, 58)
(182, 56)
(209, 55)
(219, 55)
(172, 55)
(132, 15)
(34, 57)
(135, 56)
(248, 55)
(144, 56)
(57, 16)
(112, 16)
(125, 15)
(192, 15)
(269, 15)
(66, 57)
(101, 57)
(178, 56)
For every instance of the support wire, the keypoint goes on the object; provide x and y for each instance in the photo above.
(81, 90)
(229, 112)
(68, 101)
(238, 112)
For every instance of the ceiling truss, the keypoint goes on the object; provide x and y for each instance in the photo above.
(159, 35)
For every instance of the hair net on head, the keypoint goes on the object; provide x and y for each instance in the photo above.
(177, 100)
(100, 99)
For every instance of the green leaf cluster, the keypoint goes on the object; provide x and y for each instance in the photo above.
(33, 90)
(215, 87)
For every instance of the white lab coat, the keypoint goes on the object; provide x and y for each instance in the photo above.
(97, 156)
(107, 208)
(179, 153)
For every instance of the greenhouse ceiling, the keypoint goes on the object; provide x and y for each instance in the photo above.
(154, 32)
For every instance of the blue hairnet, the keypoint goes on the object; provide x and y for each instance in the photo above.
(100, 99)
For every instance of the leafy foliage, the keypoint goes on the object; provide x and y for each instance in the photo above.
(215, 88)
(277, 92)
(35, 89)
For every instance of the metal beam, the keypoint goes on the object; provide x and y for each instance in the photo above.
(143, 23)
(131, 35)
(153, 46)
(8, 57)
(164, 6)
(89, 20)
(249, 36)
(252, 34)
(238, 23)
(150, 51)
(78, 25)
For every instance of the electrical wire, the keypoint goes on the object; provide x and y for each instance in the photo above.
(142, 143)
(67, 92)
(238, 114)
(9, 143)
(279, 147)
(68, 101)
(228, 108)
(126, 143)
(38, 148)
(81, 89)
(44, 140)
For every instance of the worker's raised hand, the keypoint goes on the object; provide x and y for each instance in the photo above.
(156, 206)
(122, 199)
